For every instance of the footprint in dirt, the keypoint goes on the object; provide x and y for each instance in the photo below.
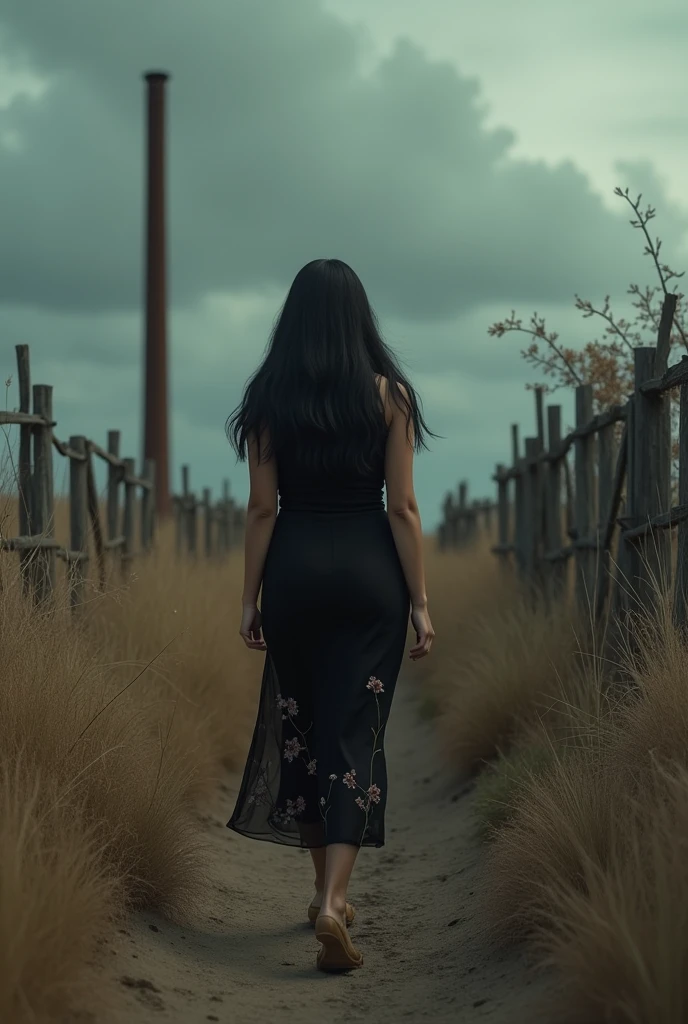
(145, 991)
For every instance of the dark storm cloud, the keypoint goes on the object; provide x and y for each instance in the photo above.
(280, 150)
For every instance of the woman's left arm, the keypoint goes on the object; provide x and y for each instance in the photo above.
(261, 514)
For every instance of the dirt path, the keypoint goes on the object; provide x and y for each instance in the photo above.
(250, 957)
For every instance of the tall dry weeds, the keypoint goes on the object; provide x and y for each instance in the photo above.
(131, 711)
(591, 864)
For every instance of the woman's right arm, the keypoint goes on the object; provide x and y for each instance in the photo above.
(404, 517)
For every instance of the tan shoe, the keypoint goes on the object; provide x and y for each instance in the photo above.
(313, 912)
(338, 952)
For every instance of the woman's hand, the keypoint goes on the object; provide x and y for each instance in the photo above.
(250, 628)
(420, 621)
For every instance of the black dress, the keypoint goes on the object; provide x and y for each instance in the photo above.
(335, 609)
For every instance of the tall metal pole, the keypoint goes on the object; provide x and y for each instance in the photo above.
(156, 438)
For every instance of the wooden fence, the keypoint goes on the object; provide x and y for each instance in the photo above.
(222, 521)
(462, 521)
(612, 513)
(36, 544)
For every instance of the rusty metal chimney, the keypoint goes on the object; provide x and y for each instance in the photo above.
(156, 439)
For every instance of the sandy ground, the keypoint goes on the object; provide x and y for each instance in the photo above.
(250, 955)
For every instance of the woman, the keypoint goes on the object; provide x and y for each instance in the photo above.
(326, 421)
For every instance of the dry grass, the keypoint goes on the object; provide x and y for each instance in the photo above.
(588, 857)
(502, 661)
(121, 722)
(620, 942)
(58, 899)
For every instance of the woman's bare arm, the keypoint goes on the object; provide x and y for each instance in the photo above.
(261, 514)
(402, 508)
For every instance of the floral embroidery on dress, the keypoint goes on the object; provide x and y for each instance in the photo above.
(293, 748)
(261, 792)
(373, 793)
(296, 747)
(293, 808)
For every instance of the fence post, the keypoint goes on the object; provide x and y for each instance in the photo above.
(681, 585)
(519, 541)
(553, 514)
(530, 504)
(584, 500)
(207, 523)
(188, 513)
(539, 482)
(129, 506)
(148, 506)
(42, 505)
(462, 527)
(502, 517)
(24, 481)
(651, 486)
(605, 486)
(78, 519)
(223, 519)
(448, 509)
(114, 476)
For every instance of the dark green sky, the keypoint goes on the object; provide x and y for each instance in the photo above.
(462, 161)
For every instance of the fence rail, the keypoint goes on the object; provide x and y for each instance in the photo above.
(222, 521)
(620, 489)
(36, 543)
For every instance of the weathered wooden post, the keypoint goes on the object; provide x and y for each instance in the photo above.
(207, 523)
(25, 481)
(530, 504)
(189, 507)
(604, 571)
(42, 505)
(129, 508)
(519, 483)
(462, 514)
(114, 477)
(78, 519)
(148, 505)
(651, 484)
(605, 496)
(222, 520)
(502, 549)
(584, 500)
(539, 483)
(681, 585)
(448, 513)
(553, 515)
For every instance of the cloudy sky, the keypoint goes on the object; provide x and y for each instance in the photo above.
(461, 158)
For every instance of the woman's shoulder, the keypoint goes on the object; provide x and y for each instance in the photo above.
(383, 384)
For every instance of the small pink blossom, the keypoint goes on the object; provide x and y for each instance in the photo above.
(332, 778)
(292, 749)
(300, 804)
(374, 793)
(311, 767)
(359, 801)
(289, 703)
(322, 800)
(349, 779)
(375, 685)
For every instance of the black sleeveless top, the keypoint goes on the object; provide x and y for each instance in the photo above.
(303, 490)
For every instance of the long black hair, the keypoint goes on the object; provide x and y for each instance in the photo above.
(315, 387)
